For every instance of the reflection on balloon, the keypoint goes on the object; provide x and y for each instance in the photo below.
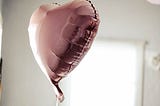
(60, 36)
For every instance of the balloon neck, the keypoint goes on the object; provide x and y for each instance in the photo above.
(58, 91)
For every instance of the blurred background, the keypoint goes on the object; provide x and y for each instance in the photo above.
(121, 69)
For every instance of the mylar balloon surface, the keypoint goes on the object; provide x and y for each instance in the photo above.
(60, 36)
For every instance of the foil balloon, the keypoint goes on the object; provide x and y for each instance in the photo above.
(60, 36)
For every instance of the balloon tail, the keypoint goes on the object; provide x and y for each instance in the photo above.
(59, 93)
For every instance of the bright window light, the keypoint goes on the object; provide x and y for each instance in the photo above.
(107, 76)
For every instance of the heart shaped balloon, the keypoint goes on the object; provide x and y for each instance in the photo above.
(60, 36)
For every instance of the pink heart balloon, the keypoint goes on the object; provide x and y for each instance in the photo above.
(60, 36)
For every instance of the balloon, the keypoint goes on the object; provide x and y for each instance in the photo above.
(157, 2)
(60, 36)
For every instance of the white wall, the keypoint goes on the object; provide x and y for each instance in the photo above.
(135, 20)
(23, 82)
